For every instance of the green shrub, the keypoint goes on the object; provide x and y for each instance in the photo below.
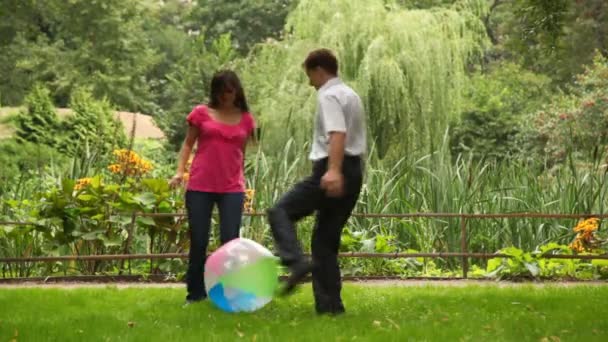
(92, 125)
(38, 122)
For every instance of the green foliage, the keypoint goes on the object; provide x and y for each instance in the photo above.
(486, 134)
(166, 32)
(168, 14)
(156, 151)
(90, 133)
(521, 265)
(188, 84)
(554, 37)
(93, 123)
(430, 184)
(423, 4)
(38, 122)
(411, 63)
(248, 21)
(362, 241)
(21, 160)
(575, 124)
(94, 217)
(19, 241)
(68, 44)
(408, 66)
(497, 105)
(126, 51)
(542, 21)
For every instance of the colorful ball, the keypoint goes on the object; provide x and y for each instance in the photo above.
(241, 275)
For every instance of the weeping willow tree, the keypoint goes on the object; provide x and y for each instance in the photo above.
(408, 65)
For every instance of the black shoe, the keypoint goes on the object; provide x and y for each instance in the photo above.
(297, 273)
(334, 311)
(193, 301)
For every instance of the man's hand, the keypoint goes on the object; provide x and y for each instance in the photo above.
(333, 183)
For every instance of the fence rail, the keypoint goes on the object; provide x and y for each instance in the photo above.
(463, 254)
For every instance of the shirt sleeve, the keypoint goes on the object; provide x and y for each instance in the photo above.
(195, 118)
(332, 114)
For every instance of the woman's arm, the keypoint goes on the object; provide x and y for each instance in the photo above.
(251, 139)
(184, 155)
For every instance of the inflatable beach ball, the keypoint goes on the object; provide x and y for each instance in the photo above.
(241, 275)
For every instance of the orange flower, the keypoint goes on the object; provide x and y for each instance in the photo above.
(588, 225)
(576, 246)
(82, 183)
(585, 238)
(248, 204)
(129, 163)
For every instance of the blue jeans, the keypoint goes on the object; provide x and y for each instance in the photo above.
(199, 206)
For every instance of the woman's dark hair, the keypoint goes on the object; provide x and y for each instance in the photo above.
(324, 59)
(227, 80)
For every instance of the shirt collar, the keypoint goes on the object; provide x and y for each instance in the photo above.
(331, 82)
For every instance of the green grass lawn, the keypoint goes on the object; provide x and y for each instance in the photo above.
(374, 313)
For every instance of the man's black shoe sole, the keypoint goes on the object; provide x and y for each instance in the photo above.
(298, 274)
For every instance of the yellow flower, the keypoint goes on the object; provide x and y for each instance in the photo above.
(82, 183)
(129, 163)
(115, 168)
(576, 246)
(585, 237)
(588, 225)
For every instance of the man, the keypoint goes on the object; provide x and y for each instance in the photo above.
(339, 142)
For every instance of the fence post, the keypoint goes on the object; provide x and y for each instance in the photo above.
(463, 246)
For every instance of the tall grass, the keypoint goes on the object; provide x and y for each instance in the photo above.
(434, 183)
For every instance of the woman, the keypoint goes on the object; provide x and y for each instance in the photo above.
(221, 129)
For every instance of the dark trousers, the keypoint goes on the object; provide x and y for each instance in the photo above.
(200, 206)
(304, 199)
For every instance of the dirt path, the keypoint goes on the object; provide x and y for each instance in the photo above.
(145, 127)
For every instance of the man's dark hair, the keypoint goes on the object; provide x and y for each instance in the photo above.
(324, 59)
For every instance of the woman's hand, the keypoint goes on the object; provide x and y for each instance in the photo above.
(177, 180)
(184, 155)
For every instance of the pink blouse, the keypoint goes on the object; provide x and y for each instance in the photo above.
(218, 163)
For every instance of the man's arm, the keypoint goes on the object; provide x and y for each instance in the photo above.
(335, 126)
(336, 150)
